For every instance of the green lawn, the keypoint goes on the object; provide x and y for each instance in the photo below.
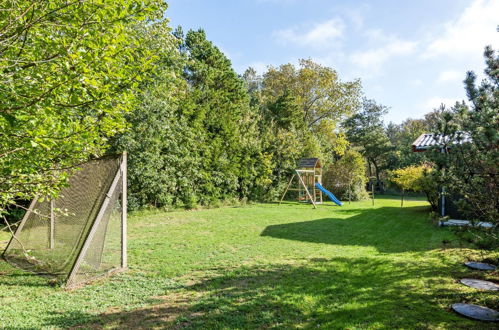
(267, 266)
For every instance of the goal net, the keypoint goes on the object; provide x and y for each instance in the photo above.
(81, 234)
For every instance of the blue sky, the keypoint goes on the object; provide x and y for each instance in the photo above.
(410, 55)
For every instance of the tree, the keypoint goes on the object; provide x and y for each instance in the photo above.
(161, 145)
(365, 130)
(408, 178)
(253, 84)
(300, 110)
(434, 117)
(469, 167)
(318, 91)
(68, 70)
(311, 97)
(218, 109)
(347, 176)
(194, 137)
(285, 112)
(401, 137)
(430, 185)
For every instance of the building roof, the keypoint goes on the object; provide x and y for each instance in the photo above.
(309, 163)
(427, 141)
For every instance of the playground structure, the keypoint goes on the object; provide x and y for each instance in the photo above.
(307, 180)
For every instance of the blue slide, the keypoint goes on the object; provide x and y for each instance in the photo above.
(329, 194)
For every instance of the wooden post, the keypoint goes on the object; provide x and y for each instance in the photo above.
(21, 225)
(443, 202)
(124, 256)
(287, 188)
(306, 189)
(372, 192)
(52, 225)
(320, 182)
(313, 187)
(442, 197)
(300, 191)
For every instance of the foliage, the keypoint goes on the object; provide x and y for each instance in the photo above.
(401, 137)
(193, 138)
(283, 148)
(224, 122)
(430, 185)
(418, 178)
(365, 129)
(346, 177)
(320, 101)
(469, 168)
(318, 91)
(68, 69)
(408, 178)
(300, 110)
(187, 267)
(160, 146)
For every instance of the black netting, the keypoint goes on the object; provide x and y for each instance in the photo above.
(42, 247)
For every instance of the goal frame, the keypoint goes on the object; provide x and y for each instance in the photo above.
(70, 281)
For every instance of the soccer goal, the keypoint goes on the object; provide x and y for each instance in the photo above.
(81, 235)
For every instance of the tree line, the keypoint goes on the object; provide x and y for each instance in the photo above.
(80, 79)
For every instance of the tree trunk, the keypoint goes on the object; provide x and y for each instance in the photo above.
(369, 173)
(372, 192)
(378, 180)
(349, 194)
(431, 200)
(402, 198)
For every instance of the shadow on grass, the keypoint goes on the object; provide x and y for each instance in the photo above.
(11, 276)
(325, 293)
(388, 229)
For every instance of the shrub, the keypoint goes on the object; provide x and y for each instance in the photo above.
(347, 176)
(418, 179)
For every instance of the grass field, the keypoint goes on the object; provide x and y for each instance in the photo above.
(267, 266)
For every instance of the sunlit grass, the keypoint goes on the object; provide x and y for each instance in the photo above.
(266, 265)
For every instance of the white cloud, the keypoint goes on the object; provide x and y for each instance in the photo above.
(373, 58)
(355, 15)
(376, 36)
(450, 76)
(469, 33)
(320, 35)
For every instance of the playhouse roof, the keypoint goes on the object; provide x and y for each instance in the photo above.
(309, 163)
(426, 141)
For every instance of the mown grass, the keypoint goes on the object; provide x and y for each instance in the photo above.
(267, 266)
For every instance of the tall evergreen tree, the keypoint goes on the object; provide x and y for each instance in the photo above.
(470, 167)
(226, 125)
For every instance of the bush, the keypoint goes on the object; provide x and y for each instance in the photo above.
(429, 184)
(418, 179)
(347, 176)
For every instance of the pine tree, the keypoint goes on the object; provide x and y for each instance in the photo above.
(470, 168)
